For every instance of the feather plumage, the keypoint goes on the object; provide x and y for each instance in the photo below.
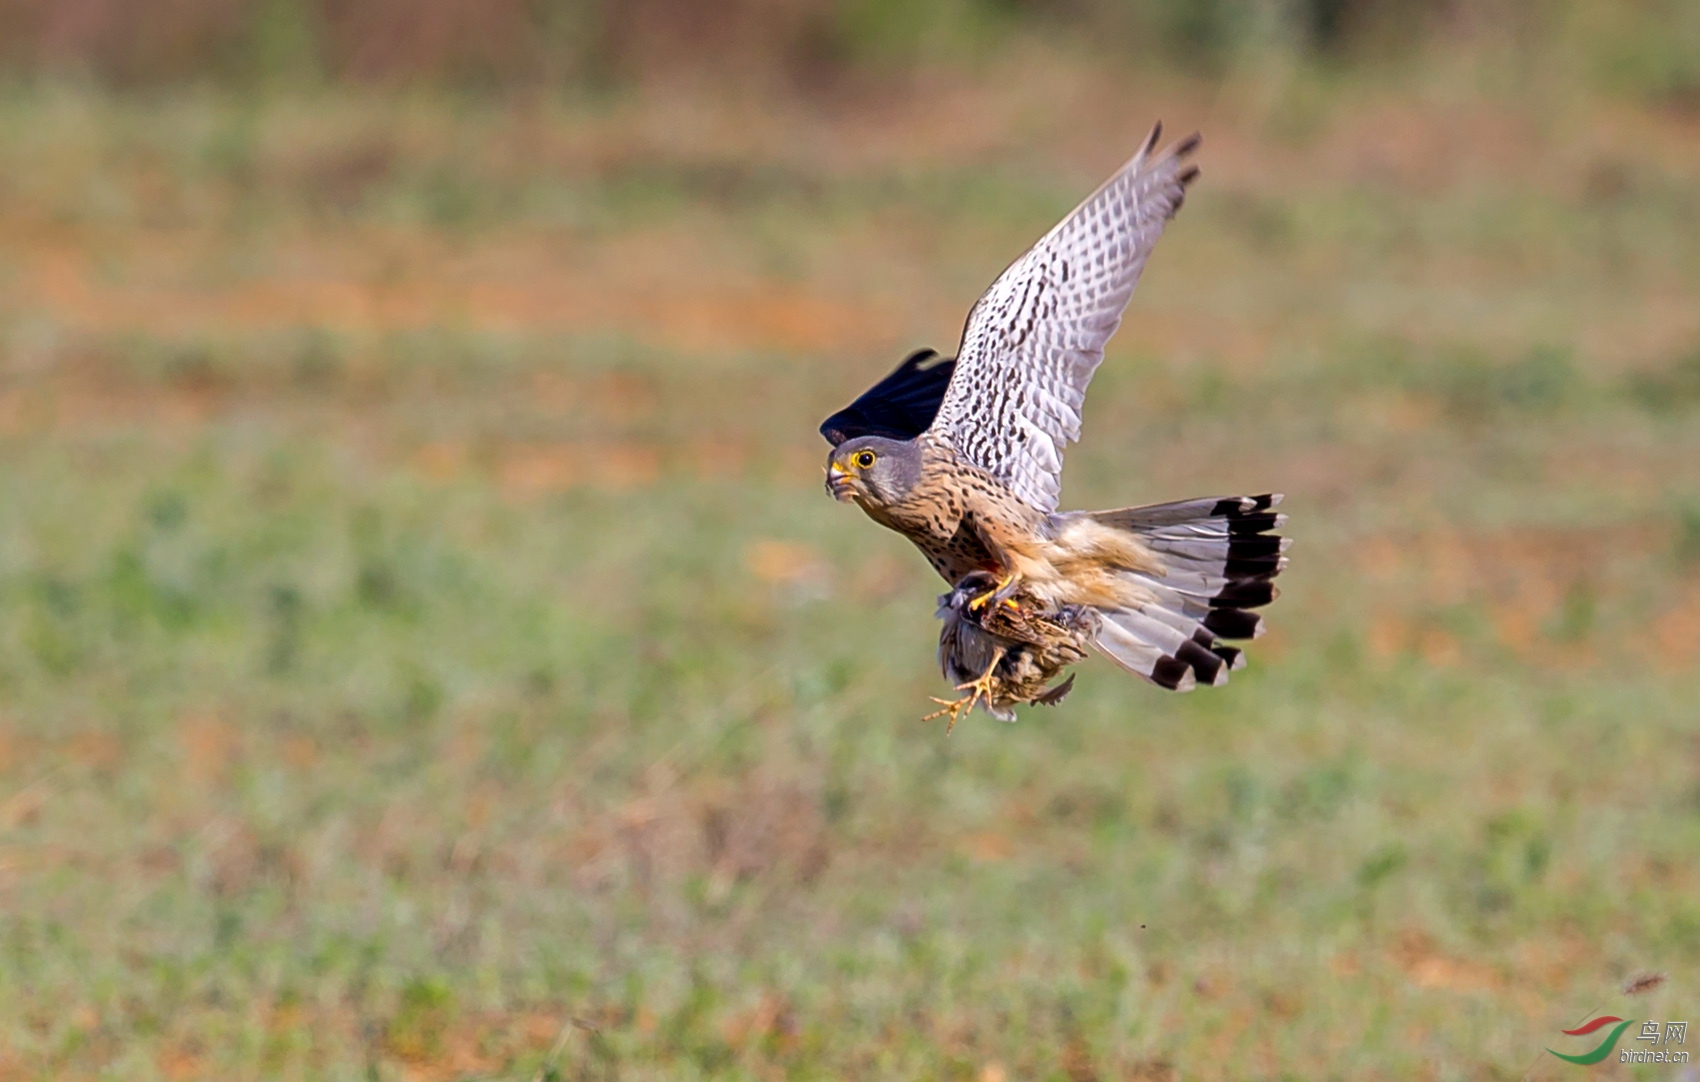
(1034, 339)
(898, 407)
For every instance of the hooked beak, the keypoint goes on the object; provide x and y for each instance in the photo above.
(838, 483)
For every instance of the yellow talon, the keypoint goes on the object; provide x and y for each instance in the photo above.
(976, 689)
(1003, 584)
(954, 707)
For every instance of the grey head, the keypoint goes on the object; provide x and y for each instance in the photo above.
(874, 471)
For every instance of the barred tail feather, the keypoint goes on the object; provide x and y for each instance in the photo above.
(1135, 655)
(1219, 558)
(1187, 512)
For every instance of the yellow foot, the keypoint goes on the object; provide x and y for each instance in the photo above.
(954, 707)
(1002, 587)
(978, 689)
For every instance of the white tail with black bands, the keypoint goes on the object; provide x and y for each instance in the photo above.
(1219, 558)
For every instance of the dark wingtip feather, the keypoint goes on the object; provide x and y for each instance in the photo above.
(1256, 546)
(900, 406)
(1255, 522)
(1173, 673)
(1233, 655)
(1206, 666)
(1245, 595)
(1234, 623)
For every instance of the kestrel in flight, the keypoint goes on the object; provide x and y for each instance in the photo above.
(964, 457)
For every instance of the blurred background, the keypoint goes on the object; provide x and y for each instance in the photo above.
(427, 652)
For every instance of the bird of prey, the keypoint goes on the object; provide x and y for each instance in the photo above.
(964, 457)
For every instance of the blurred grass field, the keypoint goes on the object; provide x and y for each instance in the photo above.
(426, 651)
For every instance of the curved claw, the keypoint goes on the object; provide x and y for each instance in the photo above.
(954, 707)
(1000, 593)
(977, 689)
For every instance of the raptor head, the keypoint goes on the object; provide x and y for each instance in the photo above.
(873, 470)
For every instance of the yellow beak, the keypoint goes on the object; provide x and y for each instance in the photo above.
(838, 482)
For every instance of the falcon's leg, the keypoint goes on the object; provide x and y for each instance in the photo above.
(976, 689)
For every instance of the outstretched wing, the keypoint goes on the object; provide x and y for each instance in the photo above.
(1034, 339)
(900, 406)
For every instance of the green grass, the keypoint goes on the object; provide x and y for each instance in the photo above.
(426, 650)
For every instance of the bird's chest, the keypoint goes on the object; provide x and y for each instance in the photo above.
(933, 516)
(942, 529)
(952, 518)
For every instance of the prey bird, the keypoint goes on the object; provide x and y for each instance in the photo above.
(964, 457)
(1007, 653)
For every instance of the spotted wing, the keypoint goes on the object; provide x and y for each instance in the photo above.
(1034, 339)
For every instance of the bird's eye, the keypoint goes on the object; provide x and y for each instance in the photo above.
(864, 460)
